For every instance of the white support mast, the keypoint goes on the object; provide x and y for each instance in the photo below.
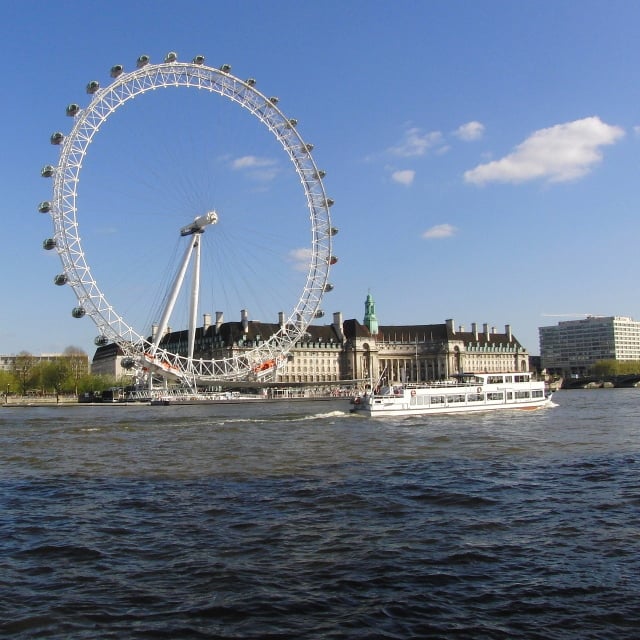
(195, 292)
(194, 229)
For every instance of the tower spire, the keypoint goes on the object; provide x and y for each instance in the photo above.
(370, 320)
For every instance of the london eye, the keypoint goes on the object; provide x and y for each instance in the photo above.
(179, 238)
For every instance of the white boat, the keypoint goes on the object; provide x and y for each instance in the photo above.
(464, 393)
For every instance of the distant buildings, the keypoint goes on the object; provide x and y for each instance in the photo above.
(348, 350)
(572, 347)
(9, 363)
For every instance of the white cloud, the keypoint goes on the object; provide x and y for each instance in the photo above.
(251, 162)
(416, 143)
(300, 258)
(261, 169)
(404, 176)
(440, 231)
(470, 131)
(558, 154)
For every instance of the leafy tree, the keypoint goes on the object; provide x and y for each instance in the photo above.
(7, 382)
(54, 374)
(23, 370)
(615, 367)
(90, 382)
(76, 361)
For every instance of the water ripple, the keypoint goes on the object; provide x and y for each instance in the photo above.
(263, 522)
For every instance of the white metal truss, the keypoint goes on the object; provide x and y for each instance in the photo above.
(66, 239)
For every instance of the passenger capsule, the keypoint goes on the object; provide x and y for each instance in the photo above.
(225, 68)
(60, 279)
(333, 260)
(198, 60)
(93, 86)
(72, 110)
(49, 244)
(308, 147)
(274, 100)
(44, 207)
(292, 123)
(334, 231)
(78, 312)
(172, 56)
(319, 314)
(251, 82)
(56, 138)
(330, 202)
(320, 174)
(100, 341)
(328, 287)
(128, 363)
(116, 70)
(47, 171)
(142, 61)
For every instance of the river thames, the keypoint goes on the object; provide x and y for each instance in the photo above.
(301, 520)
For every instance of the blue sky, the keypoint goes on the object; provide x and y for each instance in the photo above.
(483, 157)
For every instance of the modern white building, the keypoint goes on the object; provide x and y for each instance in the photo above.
(572, 347)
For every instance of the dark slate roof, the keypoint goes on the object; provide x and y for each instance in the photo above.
(231, 332)
(354, 329)
(494, 338)
(107, 352)
(412, 333)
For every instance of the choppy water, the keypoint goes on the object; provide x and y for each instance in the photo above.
(303, 521)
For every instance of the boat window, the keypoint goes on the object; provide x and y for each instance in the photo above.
(508, 379)
(437, 399)
(509, 395)
(494, 395)
(495, 379)
(522, 394)
(524, 378)
(537, 393)
(455, 398)
(475, 397)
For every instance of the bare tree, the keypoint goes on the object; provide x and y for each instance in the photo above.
(77, 362)
(23, 368)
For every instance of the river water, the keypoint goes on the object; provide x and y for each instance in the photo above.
(301, 520)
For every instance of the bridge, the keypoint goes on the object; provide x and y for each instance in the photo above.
(622, 381)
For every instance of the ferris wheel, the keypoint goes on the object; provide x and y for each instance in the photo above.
(144, 349)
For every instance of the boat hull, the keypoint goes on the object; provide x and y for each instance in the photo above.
(386, 410)
(445, 398)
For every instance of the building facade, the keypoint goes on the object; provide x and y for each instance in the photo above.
(10, 362)
(572, 347)
(348, 351)
(419, 353)
(107, 361)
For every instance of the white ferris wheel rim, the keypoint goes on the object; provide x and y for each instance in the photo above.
(77, 273)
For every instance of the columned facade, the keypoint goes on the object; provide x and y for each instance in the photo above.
(348, 351)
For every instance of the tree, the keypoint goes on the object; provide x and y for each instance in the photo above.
(6, 382)
(77, 363)
(23, 369)
(615, 367)
(90, 382)
(55, 374)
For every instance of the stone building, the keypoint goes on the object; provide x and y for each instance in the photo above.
(107, 361)
(348, 351)
(417, 353)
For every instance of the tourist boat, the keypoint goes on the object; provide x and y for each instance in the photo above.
(463, 393)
